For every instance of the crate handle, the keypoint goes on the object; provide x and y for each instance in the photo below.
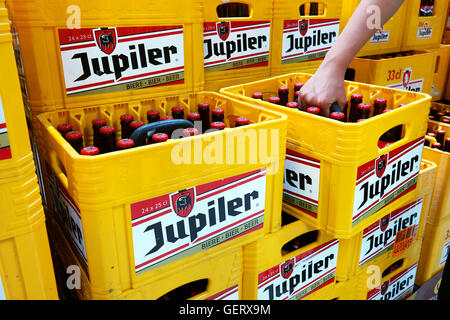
(233, 10)
(393, 268)
(141, 134)
(54, 163)
(312, 9)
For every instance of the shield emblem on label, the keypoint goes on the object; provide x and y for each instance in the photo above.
(303, 26)
(223, 30)
(406, 77)
(183, 202)
(287, 268)
(381, 164)
(106, 39)
(384, 223)
(384, 287)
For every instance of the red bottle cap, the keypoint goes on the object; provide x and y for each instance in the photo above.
(193, 116)
(190, 132)
(283, 89)
(297, 93)
(380, 101)
(203, 105)
(125, 143)
(126, 117)
(72, 135)
(364, 106)
(242, 120)
(292, 105)
(431, 117)
(136, 124)
(436, 145)
(217, 111)
(360, 120)
(164, 118)
(257, 95)
(90, 151)
(440, 131)
(298, 85)
(153, 113)
(160, 137)
(445, 120)
(99, 122)
(218, 125)
(64, 127)
(337, 115)
(356, 96)
(313, 110)
(402, 105)
(107, 129)
(177, 109)
(274, 100)
(431, 134)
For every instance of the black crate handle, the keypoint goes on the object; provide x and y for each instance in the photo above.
(141, 134)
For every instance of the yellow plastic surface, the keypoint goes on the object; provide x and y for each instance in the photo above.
(242, 51)
(223, 270)
(103, 192)
(435, 249)
(287, 10)
(339, 149)
(441, 72)
(387, 41)
(375, 244)
(424, 32)
(48, 36)
(412, 73)
(270, 273)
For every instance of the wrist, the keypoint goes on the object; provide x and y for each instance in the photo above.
(337, 63)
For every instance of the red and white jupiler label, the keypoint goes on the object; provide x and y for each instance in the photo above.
(380, 236)
(235, 44)
(182, 223)
(301, 182)
(118, 59)
(407, 82)
(397, 288)
(5, 148)
(228, 294)
(306, 40)
(300, 276)
(384, 179)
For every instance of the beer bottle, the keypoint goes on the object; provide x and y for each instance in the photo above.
(125, 121)
(447, 113)
(64, 128)
(164, 118)
(314, 9)
(242, 121)
(203, 110)
(393, 134)
(257, 95)
(292, 105)
(298, 86)
(96, 125)
(134, 125)
(275, 100)
(218, 125)
(90, 151)
(313, 110)
(178, 112)
(434, 111)
(355, 100)
(107, 139)
(218, 115)
(436, 145)
(340, 116)
(440, 135)
(363, 111)
(159, 137)
(379, 104)
(153, 116)
(123, 144)
(193, 116)
(447, 145)
(75, 138)
(188, 132)
(439, 115)
(283, 94)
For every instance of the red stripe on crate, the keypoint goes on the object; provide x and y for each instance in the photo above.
(2, 125)
(406, 151)
(293, 153)
(5, 153)
(89, 85)
(150, 74)
(393, 153)
(161, 256)
(150, 36)
(261, 64)
(225, 293)
(303, 162)
(81, 46)
(223, 182)
(304, 53)
(151, 218)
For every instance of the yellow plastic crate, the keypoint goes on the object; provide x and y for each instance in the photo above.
(236, 42)
(220, 276)
(424, 32)
(435, 250)
(440, 202)
(341, 290)
(106, 202)
(330, 153)
(76, 54)
(388, 40)
(376, 242)
(441, 72)
(413, 73)
(297, 262)
(295, 28)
